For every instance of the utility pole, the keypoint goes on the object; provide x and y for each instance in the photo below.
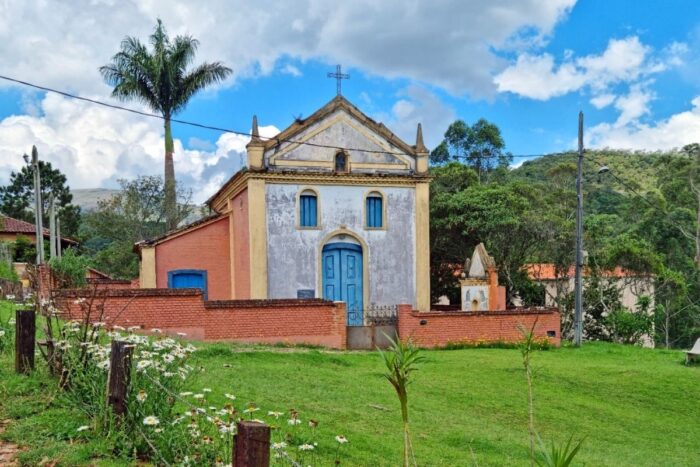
(52, 226)
(578, 312)
(58, 236)
(38, 210)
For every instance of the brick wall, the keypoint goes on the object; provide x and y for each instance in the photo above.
(241, 245)
(204, 248)
(315, 321)
(439, 328)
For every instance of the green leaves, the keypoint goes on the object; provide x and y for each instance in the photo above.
(561, 455)
(160, 78)
(479, 146)
(16, 198)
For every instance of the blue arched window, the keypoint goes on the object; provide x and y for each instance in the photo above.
(374, 210)
(308, 209)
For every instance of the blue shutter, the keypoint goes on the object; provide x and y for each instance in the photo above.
(374, 212)
(307, 211)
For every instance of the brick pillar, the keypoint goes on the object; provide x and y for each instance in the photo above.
(493, 290)
(403, 321)
(340, 324)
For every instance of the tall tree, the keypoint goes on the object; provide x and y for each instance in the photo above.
(160, 79)
(480, 146)
(136, 213)
(17, 198)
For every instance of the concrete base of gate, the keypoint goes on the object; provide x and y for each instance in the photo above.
(370, 337)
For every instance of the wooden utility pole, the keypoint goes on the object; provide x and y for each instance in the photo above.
(251, 447)
(119, 376)
(38, 208)
(58, 236)
(52, 226)
(578, 313)
(25, 337)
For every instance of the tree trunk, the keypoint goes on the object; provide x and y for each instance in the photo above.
(169, 179)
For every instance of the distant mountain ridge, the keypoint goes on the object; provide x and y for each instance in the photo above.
(87, 198)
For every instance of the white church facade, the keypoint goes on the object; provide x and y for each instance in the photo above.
(336, 206)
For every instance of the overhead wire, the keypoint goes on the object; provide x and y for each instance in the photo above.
(209, 127)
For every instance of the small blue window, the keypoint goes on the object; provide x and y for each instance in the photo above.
(374, 211)
(308, 211)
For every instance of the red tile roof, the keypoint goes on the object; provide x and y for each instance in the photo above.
(12, 225)
(547, 272)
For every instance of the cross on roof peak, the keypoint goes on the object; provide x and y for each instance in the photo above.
(338, 75)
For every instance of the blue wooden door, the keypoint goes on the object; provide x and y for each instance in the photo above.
(342, 278)
(188, 279)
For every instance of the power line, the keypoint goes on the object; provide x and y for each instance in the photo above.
(191, 123)
(245, 133)
(652, 205)
(211, 127)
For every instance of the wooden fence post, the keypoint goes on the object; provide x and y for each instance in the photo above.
(25, 336)
(251, 445)
(119, 376)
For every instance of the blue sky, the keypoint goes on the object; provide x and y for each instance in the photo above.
(527, 65)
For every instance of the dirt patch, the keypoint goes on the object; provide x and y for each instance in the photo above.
(8, 451)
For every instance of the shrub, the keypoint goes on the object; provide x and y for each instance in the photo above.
(24, 250)
(69, 269)
(630, 328)
(7, 271)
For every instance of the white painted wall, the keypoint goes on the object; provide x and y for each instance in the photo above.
(292, 253)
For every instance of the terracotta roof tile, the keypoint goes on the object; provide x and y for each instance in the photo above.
(12, 225)
(547, 272)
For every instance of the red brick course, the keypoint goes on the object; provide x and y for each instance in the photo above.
(441, 328)
(315, 322)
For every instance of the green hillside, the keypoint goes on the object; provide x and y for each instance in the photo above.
(637, 169)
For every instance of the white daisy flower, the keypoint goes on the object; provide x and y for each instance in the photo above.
(151, 421)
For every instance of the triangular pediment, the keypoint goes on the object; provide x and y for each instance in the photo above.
(315, 141)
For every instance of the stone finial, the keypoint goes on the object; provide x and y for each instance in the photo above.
(420, 146)
(421, 152)
(255, 133)
(255, 147)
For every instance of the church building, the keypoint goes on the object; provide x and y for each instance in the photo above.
(334, 207)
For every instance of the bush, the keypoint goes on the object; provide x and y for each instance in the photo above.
(7, 272)
(69, 269)
(24, 250)
(626, 327)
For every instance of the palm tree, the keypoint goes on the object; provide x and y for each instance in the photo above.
(159, 78)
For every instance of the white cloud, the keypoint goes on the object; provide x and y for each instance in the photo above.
(634, 105)
(95, 146)
(418, 105)
(674, 132)
(290, 69)
(448, 44)
(538, 77)
(603, 100)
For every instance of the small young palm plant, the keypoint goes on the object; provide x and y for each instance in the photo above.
(401, 359)
(557, 455)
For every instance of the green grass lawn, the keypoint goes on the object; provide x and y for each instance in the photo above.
(468, 407)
